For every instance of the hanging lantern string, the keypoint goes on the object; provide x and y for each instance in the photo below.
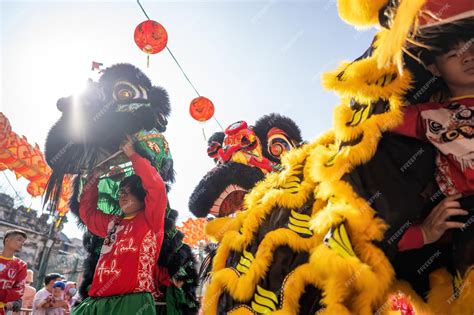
(179, 66)
(141, 7)
(218, 122)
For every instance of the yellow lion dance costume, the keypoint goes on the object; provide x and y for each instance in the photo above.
(308, 242)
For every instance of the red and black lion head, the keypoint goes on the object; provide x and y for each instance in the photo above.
(243, 155)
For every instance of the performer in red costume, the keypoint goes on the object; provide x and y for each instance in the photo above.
(12, 270)
(449, 126)
(124, 277)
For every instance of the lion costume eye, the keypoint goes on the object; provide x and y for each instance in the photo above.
(278, 142)
(124, 91)
(278, 145)
(124, 94)
(248, 141)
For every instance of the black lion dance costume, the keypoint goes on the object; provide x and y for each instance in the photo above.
(123, 102)
(320, 236)
(243, 155)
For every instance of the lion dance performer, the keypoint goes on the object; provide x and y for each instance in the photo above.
(123, 102)
(124, 278)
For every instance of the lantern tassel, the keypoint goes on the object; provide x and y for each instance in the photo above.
(148, 61)
(203, 132)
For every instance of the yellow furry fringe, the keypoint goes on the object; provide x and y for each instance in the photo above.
(442, 297)
(360, 13)
(389, 52)
(370, 270)
(364, 82)
(216, 228)
(264, 198)
(350, 285)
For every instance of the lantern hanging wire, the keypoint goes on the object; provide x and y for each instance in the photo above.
(179, 66)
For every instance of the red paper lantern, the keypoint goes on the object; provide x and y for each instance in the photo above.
(151, 37)
(201, 109)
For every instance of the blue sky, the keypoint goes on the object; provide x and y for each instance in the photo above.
(249, 57)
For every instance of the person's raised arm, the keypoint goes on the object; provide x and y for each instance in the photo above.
(95, 220)
(155, 200)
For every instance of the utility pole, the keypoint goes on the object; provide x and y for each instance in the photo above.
(50, 238)
(74, 271)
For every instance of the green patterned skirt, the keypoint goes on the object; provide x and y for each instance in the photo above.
(128, 304)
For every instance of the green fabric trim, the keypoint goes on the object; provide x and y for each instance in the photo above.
(174, 299)
(128, 304)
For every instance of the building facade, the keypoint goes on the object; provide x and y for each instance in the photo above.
(66, 255)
